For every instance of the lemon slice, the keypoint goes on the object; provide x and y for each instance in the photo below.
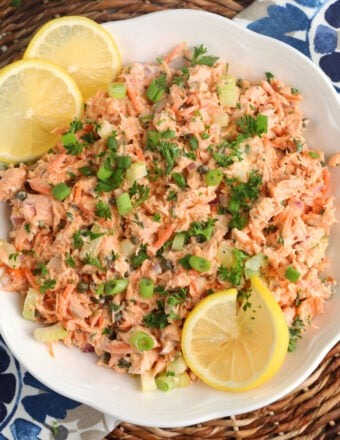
(232, 348)
(82, 47)
(36, 97)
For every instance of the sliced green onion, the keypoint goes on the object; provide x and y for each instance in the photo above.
(104, 173)
(179, 179)
(68, 139)
(179, 240)
(136, 171)
(113, 287)
(153, 138)
(51, 333)
(123, 162)
(124, 204)
(199, 263)
(60, 191)
(261, 123)
(30, 304)
(146, 287)
(165, 383)
(141, 340)
(117, 90)
(154, 92)
(213, 177)
(292, 274)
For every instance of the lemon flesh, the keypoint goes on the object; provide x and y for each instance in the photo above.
(36, 97)
(82, 47)
(236, 348)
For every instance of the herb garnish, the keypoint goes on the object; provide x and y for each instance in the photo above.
(233, 274)
(199, 57)
(202, 230)
(295, 333)
(157, 318)
(243, 194)
(102, 210)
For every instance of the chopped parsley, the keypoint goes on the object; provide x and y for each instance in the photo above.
(233, 275)
(269, 76)
(157, 318)
(103, 210)
(243, 194)
(295, 333)
(179, 179)
(70, 260)
(202, 230)
(47, 285)
(140, 192)
(93, 261)
(199, 57)
(251, 126)
(141, 255)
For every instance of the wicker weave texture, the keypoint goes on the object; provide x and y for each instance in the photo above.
(17, 24)
(311, 412)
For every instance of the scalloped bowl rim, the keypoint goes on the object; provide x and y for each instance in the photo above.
(75, 374)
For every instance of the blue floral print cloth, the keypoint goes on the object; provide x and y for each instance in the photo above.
(310, 26)
(31, 411)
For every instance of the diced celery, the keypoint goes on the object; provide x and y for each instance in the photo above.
(51, 333)
(28, 311)
(253, 265)
(227, 93)
(221, 119)
(9, 255)
(127, 248)
(179, 241)
(225, 254)
(105, 130)
(136, 171)
(178, 366)
(91, 247)
(117, 90)
(182, 380)
(147, 381)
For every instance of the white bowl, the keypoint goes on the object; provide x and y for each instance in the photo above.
(76, 374)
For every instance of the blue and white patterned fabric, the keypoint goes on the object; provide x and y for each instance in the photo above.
(31, 411)
(310, 26)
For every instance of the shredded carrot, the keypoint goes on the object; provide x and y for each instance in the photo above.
(174, 52)
(164, 237)
(77, 193)
(134, 99)
(30, 278)
(57, 162)
(140, 154)
(49, 346)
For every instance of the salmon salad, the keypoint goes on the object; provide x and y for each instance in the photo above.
(176, 182)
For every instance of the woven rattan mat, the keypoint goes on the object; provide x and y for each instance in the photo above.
(311, 412)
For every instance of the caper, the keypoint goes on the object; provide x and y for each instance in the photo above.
(166, 264)
(203, 169)
(21, 195)
(82, 287)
